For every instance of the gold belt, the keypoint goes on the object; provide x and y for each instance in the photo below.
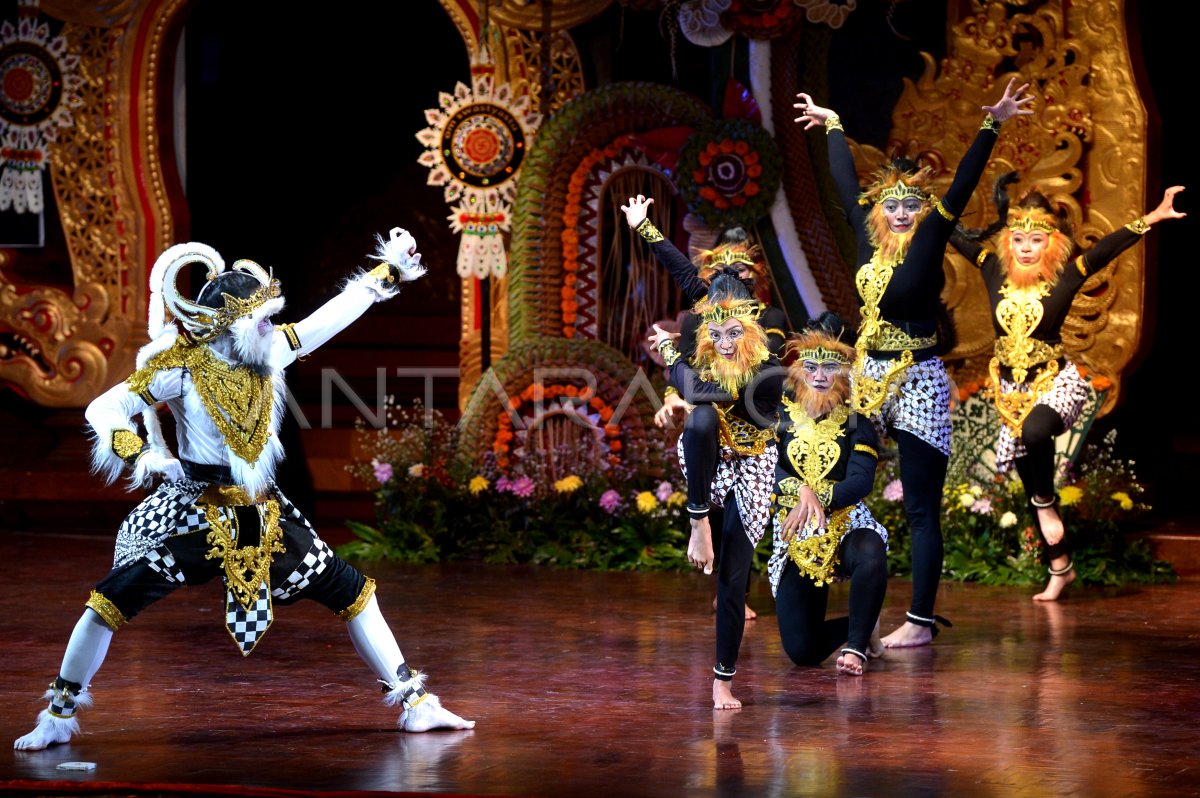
(887, 337)
(816, 556)
(1015, 406)
(740, 435)
(1022, 354)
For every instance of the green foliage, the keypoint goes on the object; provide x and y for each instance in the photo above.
(990, 537)
(431, 506)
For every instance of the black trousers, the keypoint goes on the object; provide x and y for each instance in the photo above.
(807, 636)
(1036, 467)
(923, 475)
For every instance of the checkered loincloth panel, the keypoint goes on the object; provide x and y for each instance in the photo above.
(750, 478)
(922, 405)
(167, 512)
(1066, 398)
(860, 518)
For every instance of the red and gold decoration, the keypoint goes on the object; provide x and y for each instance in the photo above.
(540, 402)
(39, 86)
(734, 168)
(476, 142)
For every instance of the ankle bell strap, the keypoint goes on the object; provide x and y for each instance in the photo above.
(917, 620)
(1066, 569)
(1043, 504)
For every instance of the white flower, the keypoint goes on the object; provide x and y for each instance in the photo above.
(416, 470)
(1008, 519)
(966, 500)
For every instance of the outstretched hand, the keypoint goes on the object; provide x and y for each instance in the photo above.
(636, 210)
(813, 114)
(1166, 208)
(659, 335)
(1011, 103)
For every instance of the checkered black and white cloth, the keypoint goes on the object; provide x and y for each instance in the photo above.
(248, 626)
(167, 512)
(1066, 397)
(750, 478)
(860, 518)
(920, 406)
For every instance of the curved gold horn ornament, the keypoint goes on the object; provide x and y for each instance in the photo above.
(198, 320)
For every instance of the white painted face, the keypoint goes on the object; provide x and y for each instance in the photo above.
(1028, 247)
(820, 376)
(901, 214)
(726, 337)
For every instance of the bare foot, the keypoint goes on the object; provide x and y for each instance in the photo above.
(700, 548)
(851, 662)
(723, 695)
(1058, 583)
(750, 614)
(875, 645)
(909, 635)
(1051, 524)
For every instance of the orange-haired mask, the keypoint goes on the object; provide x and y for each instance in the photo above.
(1033, 247)
(899, 203)
(819, 377)
(731, 343)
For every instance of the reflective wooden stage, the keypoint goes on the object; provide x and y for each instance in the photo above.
(599, 684)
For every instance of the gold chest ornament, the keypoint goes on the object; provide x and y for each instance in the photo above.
(1019, 313)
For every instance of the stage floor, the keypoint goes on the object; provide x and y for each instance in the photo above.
(599, 684)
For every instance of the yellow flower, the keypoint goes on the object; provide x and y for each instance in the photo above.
(677, 499)
(1070, 495)
(568, 484)
(966, 499)
(1122, 498)
(477, 485)
(646, 501)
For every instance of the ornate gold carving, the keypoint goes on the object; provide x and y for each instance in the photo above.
(814, 450)
(238, 399)
(1020, 312)
(249, 566)
(524, 60)
(740, 435)
(107, 611)
(126, 444)
(816, 556)
(1015, 406)
(867, 394)
(649, 232)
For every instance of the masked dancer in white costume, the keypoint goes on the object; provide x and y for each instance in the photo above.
(217, 362)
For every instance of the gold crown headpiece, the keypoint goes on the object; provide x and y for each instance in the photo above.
(822, 354)
(1029, 219)
(236, 307)
(745, 310)
(900, 191)
(730, 256)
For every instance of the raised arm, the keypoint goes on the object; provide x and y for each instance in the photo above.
(399, 262)
(971, 250)
(1108, 248)
(970, 168)
(841, 161)
(682, 270)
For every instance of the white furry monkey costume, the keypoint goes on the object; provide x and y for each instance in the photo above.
(218, 363)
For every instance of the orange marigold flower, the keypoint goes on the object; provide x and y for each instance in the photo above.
(568, 332)
(709, 193)
(569, 317)
(611, 430)
(738, 201)
(1083, 371)
(752, 189)
(614, 445)
(570, 279)
(605, 413)
(741, 147)
(754, 170)
(726, 146)
(1101, 383)
(721, 203)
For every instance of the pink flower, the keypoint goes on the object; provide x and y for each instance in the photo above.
(610, 500)
(664, 491)
(522, 487)
(383, 471)
(982, 506)
(503, 485)
(894, 491)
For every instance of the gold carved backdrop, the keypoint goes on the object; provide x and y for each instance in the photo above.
(1085, 148)
(114, 186)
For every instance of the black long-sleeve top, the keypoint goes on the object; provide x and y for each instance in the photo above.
(854, 473)
(912, 299)
(683, 271)
(1057, 305)
(757, 401)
